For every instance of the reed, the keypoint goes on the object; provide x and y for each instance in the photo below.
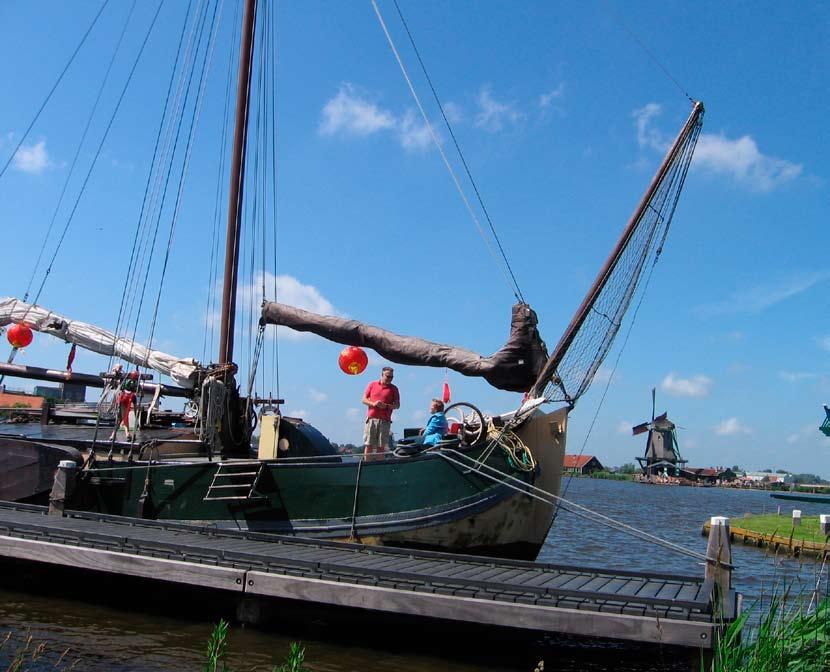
(790, 638)
(217, 651)
(26, 654)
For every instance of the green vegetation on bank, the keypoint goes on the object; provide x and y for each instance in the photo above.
(782, 526)
(217, 651)
(608, 476)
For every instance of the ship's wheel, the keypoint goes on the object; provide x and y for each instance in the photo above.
(466, 422)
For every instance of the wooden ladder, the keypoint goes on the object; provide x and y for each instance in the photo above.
(235, 481)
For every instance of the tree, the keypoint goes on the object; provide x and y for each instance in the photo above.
(736, 468)
(629, 468)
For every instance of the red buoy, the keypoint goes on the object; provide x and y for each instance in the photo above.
(446, 395)
(353, 360)
(19, 335)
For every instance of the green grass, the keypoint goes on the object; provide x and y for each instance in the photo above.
(792, 639)
(782, 526)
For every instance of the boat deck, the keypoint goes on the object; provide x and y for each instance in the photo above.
(644, 607)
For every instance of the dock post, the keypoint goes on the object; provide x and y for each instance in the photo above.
(62, 487)
(824, 521)
(718, 554)
(796, 517)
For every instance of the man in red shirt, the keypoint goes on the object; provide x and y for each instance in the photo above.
(382, 397)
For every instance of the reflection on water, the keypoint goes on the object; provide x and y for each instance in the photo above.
(107, 638)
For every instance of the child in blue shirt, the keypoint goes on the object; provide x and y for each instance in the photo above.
(436, 424)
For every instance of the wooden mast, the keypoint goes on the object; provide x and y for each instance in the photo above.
(243, 97)
(610, 263)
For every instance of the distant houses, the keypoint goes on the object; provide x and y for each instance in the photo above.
(581, 464)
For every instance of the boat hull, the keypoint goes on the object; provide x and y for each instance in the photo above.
(436, 500)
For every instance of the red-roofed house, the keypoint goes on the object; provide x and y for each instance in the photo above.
(581, 464)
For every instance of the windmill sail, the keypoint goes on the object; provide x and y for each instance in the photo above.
(571, 367)
(95, 339)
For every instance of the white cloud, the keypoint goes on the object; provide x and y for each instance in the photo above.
(696, 386)
(352, 413)
(647, 135)
(739, 159)
(493, 114)
(289, 290)
(796, 376)
(454, 112)
(824, 342)
(298, 413)
(349, 113)
(624, 427)
(33, 159)
(414, 134)
(547, 98)
(419, 416)
(316, 396)
(731, 427)
(743, 161)
(758, 298)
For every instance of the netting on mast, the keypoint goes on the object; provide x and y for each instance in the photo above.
(570, 369)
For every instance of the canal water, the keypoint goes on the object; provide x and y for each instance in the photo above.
(101, 637)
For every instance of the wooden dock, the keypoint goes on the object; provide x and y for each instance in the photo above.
(634, 606)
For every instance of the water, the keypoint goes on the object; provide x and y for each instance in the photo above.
(103, 637)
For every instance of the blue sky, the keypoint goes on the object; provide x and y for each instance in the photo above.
(562, 117)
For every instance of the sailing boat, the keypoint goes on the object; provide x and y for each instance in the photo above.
(471, 493)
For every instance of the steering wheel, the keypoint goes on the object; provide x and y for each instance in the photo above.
(469, 422)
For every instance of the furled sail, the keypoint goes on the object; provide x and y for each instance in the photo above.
(90, 337)
(571, 367)
(514, 367)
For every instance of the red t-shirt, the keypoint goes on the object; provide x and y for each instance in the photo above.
(377, 391)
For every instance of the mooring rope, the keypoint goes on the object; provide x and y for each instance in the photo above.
(577, 509)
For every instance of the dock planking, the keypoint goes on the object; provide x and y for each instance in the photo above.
(635, 606)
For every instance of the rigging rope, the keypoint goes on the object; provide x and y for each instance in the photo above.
(78, 151)
(54, 87)
(137, 245)
(511, 284)
(460, 154)
(544, 496)
(98, 151)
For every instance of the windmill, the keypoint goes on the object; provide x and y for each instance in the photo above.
(825, 426)
(662, 456)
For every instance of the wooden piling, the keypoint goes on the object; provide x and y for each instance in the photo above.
(719, 555)
(62, 487)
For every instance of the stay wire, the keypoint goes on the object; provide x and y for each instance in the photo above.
(98, 152)
(158, 194)
(207, 60)
(460, 153)
(514, 289)
(184, 90)
(134, 251)
(54, 87)
(648, 52)
(78, 151)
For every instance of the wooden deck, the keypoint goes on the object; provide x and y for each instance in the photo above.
(634, 606)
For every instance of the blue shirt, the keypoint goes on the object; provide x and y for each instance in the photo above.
(435, 429)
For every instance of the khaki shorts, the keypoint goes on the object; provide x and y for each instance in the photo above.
(376, 433)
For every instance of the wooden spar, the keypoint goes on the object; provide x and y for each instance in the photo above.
(243, 97)
(90, 380)
(590, 298)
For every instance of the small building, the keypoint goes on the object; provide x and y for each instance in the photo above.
(581, 464)
(20, 400)
(710, 475)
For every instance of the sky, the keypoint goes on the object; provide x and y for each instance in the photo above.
(562, 111)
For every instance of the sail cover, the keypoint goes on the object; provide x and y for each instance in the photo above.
(90, 337)
(514, 367)
(571, 367)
